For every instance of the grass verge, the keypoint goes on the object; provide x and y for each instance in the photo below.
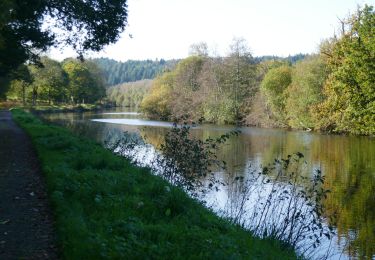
(105, 207)
(65, 108)
(40, 108)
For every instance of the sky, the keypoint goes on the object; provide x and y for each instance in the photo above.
(166, 28)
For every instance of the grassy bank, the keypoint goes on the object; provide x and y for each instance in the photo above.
(53, 108)
(105, 207)
(65, 108)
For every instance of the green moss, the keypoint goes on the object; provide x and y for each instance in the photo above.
(106, 207)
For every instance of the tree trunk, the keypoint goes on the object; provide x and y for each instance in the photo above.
(23, 94)
(34, 97)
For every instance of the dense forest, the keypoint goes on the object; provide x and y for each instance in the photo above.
(70, 81)
(222, 89)
(129, 94)
(332, 90)
(116, 72)
(292, 59)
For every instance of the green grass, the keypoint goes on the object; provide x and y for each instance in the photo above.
(64, 108)
(105, 207)
(46, 108)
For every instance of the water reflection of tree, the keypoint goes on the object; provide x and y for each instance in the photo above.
(352, 182)
(153, 135)
(349, 167)
(347, 163)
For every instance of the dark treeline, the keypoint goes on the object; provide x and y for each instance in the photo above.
(292, 59)
(116, 72)
(53, 82)
(330, 91)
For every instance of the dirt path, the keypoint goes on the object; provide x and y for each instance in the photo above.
(26, 226)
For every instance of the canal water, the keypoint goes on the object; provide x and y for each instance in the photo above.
(346, 162)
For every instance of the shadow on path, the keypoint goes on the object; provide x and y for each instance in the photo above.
(26, 222)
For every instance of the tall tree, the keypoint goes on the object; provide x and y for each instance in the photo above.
(49, 81)
(349, 90)
(186, 89)
(96, 90)
(305, 91)
(19, 85)
(198, 49)
(81, 83)
(240, 79)
(157, 103)
(30, 27)
(274, 84)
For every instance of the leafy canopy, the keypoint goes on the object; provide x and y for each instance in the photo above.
(274, 85)
(30, 27)
(350, 88)
(305, 91)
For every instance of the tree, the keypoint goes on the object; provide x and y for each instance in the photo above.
(200, 86)
(186, 95)
(30, 27)
(240, 77)
(50, 81)
(350, 93)
(273, 86)
(305, 91)
(84, 83)
(260, 113)
(187, 73)
(96, 90)
(156, 103)
(198, 49)
(18, 86)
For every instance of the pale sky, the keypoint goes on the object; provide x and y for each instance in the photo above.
(166, 28)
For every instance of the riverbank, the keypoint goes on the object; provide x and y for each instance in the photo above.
(66, 108)
(106, 207)
(264, 123)
(55, 108)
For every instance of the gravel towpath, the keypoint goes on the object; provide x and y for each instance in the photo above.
(26, 221)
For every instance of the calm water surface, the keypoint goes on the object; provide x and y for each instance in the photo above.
(347, 162)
